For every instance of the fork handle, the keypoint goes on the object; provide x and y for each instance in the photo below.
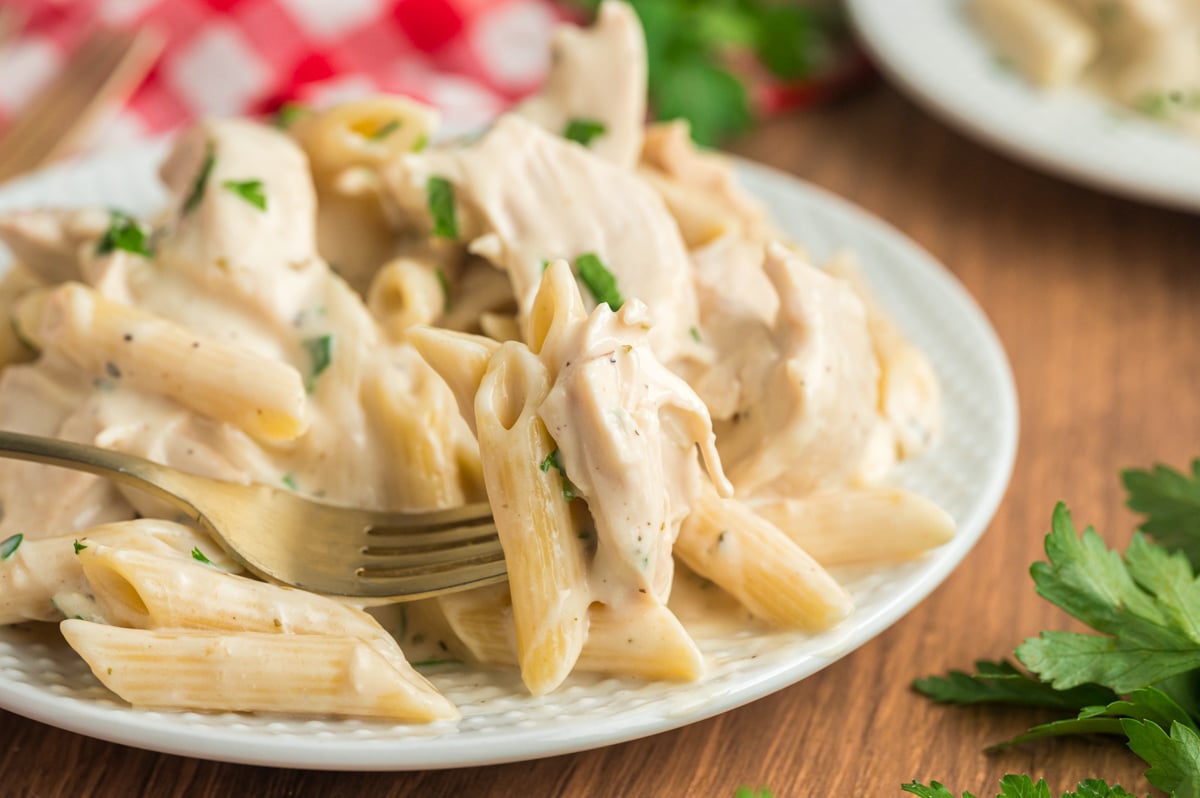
(127, 469)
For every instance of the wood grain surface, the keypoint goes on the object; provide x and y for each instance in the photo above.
(1097, 301)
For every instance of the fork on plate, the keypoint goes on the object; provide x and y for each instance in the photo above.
(283, 537)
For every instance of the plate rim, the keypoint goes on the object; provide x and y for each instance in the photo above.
(1019, 140)
(146, 730)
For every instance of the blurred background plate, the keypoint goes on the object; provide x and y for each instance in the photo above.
(931, 49)
(965, 472)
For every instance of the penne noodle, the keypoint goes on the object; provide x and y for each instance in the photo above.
(867, 525)
(545, 557)
(14, 283)
(403, 293)
(38, 570)
(751, 559)
(246, 672)
(149, 592)
(264, 397)
(1045, 40)
(460, 359)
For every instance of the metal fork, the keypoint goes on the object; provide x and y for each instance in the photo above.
(282, 537)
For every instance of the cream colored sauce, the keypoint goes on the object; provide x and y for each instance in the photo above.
(526, 197)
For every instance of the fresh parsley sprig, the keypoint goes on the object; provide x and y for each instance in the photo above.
(1137, 676)
(688, 49)
(1023, 787)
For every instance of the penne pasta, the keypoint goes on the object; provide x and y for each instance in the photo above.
(112, 341)
(545, 558)
(725, 541)
(1046, 40)
(246, 672)
(867, 525)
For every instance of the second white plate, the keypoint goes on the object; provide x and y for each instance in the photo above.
(934, 52)
(966, 472)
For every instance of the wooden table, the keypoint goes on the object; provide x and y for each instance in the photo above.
(1097, 301)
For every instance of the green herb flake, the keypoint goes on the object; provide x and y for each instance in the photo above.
(124, 233)
(386, 129)
(421, 143)
(288, 114)
(289, 481)
(197, 192)
(569, 491)
(692, 331)
(320, 355)
(746, 792)
(249, 190)
(79, 546)
(439, 194)
(10, 545)
(584, 131)
(598, 280)
(198, 556)
(444, 282)
(1022, 787)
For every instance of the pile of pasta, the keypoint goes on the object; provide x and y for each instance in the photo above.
(580, 319)
(1144, 54)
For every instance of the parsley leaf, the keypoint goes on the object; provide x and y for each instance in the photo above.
(1003, 683)
(1147, 608)
(124, 233)
(688, 45)
(584, 131)
(198, 556)
(746, 792)
(79, 546)
(197, 192)
(600, 282)
(1174, 759)
(249, 190)
(9, 546)
(386, 129)
(569, 490)
(320, 353)
(431, 663)
(1171, 502)
(439, 194)
(1024, 787)
(288, 114)
(289, 481)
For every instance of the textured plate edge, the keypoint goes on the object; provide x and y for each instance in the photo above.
(148, 733)
(1031, 151)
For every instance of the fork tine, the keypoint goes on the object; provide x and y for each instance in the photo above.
(403, 523)
(415, 586)
(398, 559)
(435, 537)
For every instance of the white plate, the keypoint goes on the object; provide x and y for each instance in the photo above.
(966, 473)
(934, 52)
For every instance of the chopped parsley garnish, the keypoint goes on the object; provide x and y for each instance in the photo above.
(444, 282)
(386, 129)
(584, 131)
(197, 193)
(569, 490)
(10, 545)
(439, 194)
(320, 353)
(289, 481)
(287, 115)
(79, 546)
(249, 190)
(430, 663)
(124, 233)
(421, 143)
(600, 282)
(692, 331)
(198, 556)
(1163, 104)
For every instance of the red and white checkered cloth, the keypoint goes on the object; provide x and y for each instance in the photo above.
(469, 58)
